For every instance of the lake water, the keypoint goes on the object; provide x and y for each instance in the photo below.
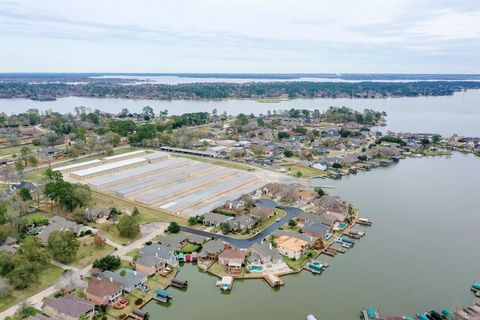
(421, 254)
(446, 115)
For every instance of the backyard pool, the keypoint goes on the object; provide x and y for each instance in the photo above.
(255, 268)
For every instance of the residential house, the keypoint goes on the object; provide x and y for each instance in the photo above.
(177, 241)
(101, 290)
(242, 222)
(131, 280)
(332, 205)
(325, 218)
(68, 308)
(316, 229)
(291, 247)
(215, 219)
(263, 254)
(262, 213)
(212, 249)
(17, 186)
(155, 257)
(60, 224)
(233, 259)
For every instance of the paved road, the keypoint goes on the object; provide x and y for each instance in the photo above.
(292, 212)
(37, 299)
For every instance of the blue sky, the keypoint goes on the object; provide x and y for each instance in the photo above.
(385, 36)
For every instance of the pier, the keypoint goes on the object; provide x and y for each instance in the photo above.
(274, 281)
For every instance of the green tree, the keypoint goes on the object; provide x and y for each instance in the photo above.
(288, 153)
(425, 142)
(128, 227)
(173, 227)
(298, 174)
(135, 211)
(292, 223)
(25, 194)
(33, 161)
(109, 262)
(3, 214)
(320, 191)
(337, 165)
(63, 245)
(225, 227)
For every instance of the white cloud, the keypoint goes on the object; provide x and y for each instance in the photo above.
(255, 33)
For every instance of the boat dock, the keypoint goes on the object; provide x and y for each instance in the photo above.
(314, 267)
(274, 281)
(226, 283)
(162, 296)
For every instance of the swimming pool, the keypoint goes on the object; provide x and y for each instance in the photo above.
(342, 226)
(255, 268)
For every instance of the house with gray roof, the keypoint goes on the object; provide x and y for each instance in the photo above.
(131, 280)
(316, 229)
(177, 241)
(215, 219)
(38, 317)
(155, 257)
(242, 222)
(60, 224)
(263, 254)
(68, 308)
(212, 249)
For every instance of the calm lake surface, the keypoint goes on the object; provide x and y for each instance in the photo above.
(446, 115)
(421, 254)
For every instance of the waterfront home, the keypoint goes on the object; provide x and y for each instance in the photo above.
(263, 254)
(155, 257)
(262, 213)
(215, 219)
(60, 224)
(242, 222)
(177, 241)
(101, 290)
(316, 229)
(233, 259)
(68, 308)
(130, 280)
(325, 218)
(332, 205)
(212, 249)
(291, 247)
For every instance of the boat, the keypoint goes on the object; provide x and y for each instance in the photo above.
(422, 316)
(162, 296)
(447, 313)
(314, 267)
(364, 221)
(179, 283)
(369, 313)
(311, 317)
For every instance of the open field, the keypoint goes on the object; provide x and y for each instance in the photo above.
(307, 172)
(87, 252)
(6, 151)
(218, 162)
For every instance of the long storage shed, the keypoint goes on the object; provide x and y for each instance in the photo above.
(121, 177)
(78, 166)
(124, 156)
(108, 168)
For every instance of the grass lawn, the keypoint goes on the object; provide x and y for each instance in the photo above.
(307, 172)
(47, 277)
(147, 214)
(218, 162)
(14, 149)
(189, 248)
(296, 264)
(87, 252)
(112, 233)
(217, 269)
(132, 253)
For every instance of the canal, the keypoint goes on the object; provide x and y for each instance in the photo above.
(421, 254)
